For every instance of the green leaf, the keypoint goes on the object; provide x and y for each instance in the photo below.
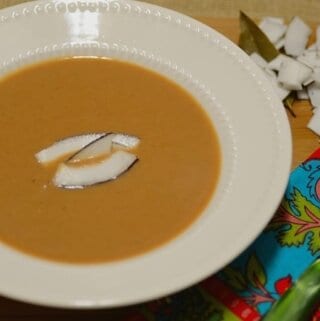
(252, 39)
(291, 236)
(304, 207)
(309, 213)
(314, 243)
(288, 231)
(275, 223)
(235, 278)
(255, 272)
(294, 229)
(288, 103)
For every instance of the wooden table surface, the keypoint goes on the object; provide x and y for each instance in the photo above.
(304, 142)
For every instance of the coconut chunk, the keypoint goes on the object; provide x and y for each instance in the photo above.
(314, 94)
(99, 147)
(279, 44)
(316, 110)
(310, 58)
(314, 123)
(66, 146)
(273, 27)
(308, 81)
(271, 19)
(296, 37)
(71, 177)
(281, 91)
(302, 94)
(318, 38)
(316, 76)
(293, 74)
(276, 63)
(312, 47)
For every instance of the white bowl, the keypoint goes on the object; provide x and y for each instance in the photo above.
(250, 120)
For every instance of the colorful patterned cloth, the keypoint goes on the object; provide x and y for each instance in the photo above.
(247, 288)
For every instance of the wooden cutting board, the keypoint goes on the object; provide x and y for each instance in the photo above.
(304, 143)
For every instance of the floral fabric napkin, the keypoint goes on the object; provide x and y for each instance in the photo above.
(247, 288)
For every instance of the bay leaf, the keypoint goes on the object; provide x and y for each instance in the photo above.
(288, 103)
(252, 39)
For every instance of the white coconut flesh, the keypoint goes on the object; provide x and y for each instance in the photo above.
(126, 141)
(314, 95)
(316, 76)
(292, 74)
(312, 47)
(279, 44)
(276, 63)
(296, 37)
(74, 177)
(274, 28)
(66, 146)
(75, 144)
(73, 173)
(99, 147)
(103, 146)
(310, 58)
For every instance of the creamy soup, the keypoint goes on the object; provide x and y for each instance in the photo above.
(152, 202)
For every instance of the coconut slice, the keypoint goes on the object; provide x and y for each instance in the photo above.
(126, 141)
(274, 28)
(77, 177)
(293, 74)
(314, 123)
(65, 146)
(103, 146)
(314, 94)
(99, 147)
(296, 37)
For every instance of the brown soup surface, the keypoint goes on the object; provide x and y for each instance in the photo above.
(153, 202)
